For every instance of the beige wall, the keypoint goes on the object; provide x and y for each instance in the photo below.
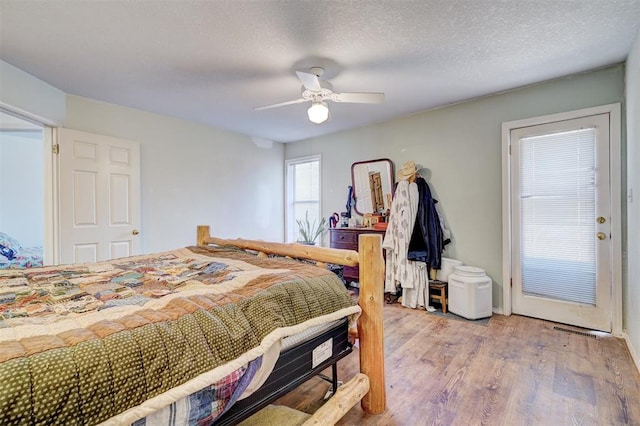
(193, 174)
(631, 289)
(460, 149)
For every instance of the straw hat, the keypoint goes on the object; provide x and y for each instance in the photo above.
(408, 170)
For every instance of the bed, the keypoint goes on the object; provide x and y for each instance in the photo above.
(141, 340)
(14, 255)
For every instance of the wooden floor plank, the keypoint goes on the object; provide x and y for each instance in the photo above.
(514, 371)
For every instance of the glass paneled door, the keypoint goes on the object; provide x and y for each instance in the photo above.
(561, 215)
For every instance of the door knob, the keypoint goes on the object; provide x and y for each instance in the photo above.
(135, 232)
(601, 219)
(601, 235)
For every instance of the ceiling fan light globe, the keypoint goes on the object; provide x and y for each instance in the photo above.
(318, 112)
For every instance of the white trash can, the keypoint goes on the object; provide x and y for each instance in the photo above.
(470, 292)
(446, 268)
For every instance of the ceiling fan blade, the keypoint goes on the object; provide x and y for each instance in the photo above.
(297, 101)
(358, 98)
(309, 81)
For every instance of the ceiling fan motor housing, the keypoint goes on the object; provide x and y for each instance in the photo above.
(317, 71)
(325, 92)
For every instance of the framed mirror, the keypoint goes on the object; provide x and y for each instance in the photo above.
(372, 183)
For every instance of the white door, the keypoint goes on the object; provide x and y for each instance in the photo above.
(561, 222)
(99, 197)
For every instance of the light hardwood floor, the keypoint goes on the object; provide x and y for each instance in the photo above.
(514, 371)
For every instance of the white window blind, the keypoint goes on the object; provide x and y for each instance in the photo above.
(303, 176)
(557, 201)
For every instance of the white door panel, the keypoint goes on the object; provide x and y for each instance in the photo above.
(561, 270)
(99, 197)
(85, 209)
(120, 249)
(83, 253)
(119, 209)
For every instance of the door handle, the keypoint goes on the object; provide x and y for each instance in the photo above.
(601, 219)
(135, 232)
(601, 235)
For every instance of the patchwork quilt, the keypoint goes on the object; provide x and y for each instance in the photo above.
(116, 341)
(203, 407)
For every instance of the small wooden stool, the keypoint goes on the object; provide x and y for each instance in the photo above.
(438, 291)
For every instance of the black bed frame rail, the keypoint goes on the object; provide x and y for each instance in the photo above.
(294, 367)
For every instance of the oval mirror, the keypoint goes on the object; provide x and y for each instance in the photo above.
(372, 183)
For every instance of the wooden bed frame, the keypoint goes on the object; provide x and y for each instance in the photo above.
(369, 385)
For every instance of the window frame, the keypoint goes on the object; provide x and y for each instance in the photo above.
(290, 224)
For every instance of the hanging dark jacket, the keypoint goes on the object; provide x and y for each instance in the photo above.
(426, 242)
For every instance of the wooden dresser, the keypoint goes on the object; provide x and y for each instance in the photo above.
(347, 238)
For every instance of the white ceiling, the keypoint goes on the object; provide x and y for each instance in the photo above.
(214, 61)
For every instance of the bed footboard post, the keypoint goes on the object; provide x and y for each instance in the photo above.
(203, 235)
(370, 324)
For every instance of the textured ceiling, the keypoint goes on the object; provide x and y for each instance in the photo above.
(214, 61)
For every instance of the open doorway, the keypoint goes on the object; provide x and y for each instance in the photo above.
(22, 192)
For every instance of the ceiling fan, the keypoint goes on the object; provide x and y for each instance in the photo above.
(318, 91)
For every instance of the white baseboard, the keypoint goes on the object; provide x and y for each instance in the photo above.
(498, 311)
(632, 350)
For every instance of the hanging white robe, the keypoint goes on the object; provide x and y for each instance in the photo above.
(402, 217)
(417, 295)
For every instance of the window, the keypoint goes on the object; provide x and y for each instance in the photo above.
(303, 193)
(558, 210)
